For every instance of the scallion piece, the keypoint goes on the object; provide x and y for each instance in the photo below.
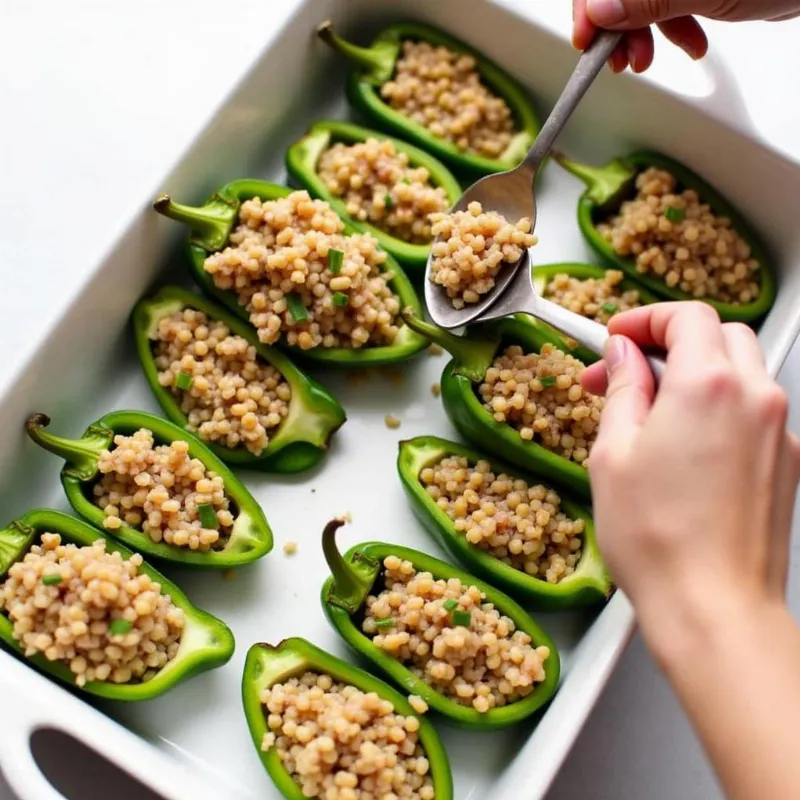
(406, 181)
(462, 618)
(548, 380)
(385, 622)
(184, 381)
(335, 258)
(609, 308)
(388, 201)
(119, 627)
(208, 517)
(296, 308)
(450, 604)
(674, 214)
(52, 580)
(340, 299)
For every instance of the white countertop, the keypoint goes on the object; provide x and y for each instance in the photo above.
(100, 99)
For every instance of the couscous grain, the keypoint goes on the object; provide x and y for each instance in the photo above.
(92, 610)
(540, 395)
(447, 634)
(596, 298)
(163, 491)
(378, 186)
(339, 743)
(233, 397)
(520, 524)
(442, 90)
(298, 275)
(472, 248)
(673, 235)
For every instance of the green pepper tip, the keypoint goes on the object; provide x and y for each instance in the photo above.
(210, 225)
(377, 61)
(353, 580)
(606, 185)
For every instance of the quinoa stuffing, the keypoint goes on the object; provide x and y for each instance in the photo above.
(230, 396)
(540, 395)
(473, 247)
(676, 237)
(340, 743)
(160, 489)
(92, 610)
(442, 90)
(299, 276)
(520, 524)
(447, 634)
(596, 298)
(378, 186)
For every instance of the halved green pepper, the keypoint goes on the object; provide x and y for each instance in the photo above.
(302, 438)
(375, 65)
(608, 186)
(473, 354)
(267, 665)
(543, 274)
(210, 226)
(250, 538)
(587, 585)
(302, 159)
(357, 574)
(206, 642)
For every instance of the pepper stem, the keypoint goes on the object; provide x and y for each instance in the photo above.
(210, 225)
(378, 61)
(352, 580)
(605, 185)
(81, 454)
(473, 355)
(15, 539)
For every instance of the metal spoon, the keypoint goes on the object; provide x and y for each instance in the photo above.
(511, 194)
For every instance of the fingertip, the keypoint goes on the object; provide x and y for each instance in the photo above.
(594, 378)
(640, 50)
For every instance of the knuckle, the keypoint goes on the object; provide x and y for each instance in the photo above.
(715, 383)
(740, 329)
(773, 404)
(605, 459)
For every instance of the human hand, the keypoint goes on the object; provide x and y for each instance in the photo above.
(693, 488)
(675, 19)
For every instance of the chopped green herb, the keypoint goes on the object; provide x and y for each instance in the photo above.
(450, 604)
(119, 627)
(340, 299)
(52, 580)
(674, 214)
(406, 181)
(462, 618)
(296, 308)
(609, 308)
(208, 517)
(335, 258)
(184, 381)
(388, 201)
(386, 622)
(548, 380)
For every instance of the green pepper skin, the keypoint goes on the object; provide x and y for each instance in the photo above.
(206, 643)
(301, 163)
(211, 225)
(588, 585)
(543, 274)
(299, 442)
(251, 537)
(267, 665)
(608, 186)
(345, 592)
(375, 65)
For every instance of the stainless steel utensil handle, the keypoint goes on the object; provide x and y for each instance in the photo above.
(589, 65)
(587, 332)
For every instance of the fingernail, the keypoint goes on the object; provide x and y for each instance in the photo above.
(606, 12)
(616, 351)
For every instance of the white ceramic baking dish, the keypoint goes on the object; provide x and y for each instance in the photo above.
(193, 743)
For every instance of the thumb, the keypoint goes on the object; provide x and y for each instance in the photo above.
(628, 14)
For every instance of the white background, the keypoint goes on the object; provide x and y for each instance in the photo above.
(98, 99)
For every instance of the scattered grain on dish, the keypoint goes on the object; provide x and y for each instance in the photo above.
(378, 186)
(229, 575)
(163, 491)
(417, 703)
(472, 248)
(442, 90)
(596, 298)
(435, 349)
(436, 390)
(94, 611)
(540, 395)
(234, 398)
(521, 524)
(450, 637)
(392, 422)
(278, 263)
(290, 548)
(673, 235)
(340, 743)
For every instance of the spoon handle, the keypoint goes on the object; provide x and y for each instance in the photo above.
(587, 69)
